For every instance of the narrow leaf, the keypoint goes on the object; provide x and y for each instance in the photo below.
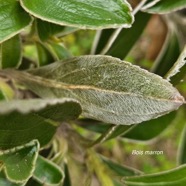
(165, 6)
(44, 56)
(120, 170)
(67, 180)
(168, 55)
(46, 29)
(10, 54)
(47, 172)
(174, 177)
(19, 162)
(178, 71)
(128, 37)
(182, 149)
(13, 19)
(24, 120)
(6, 92)
(104, 89)
(90, 14)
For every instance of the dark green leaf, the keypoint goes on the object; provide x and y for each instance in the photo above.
(19, 126)
(182, 149)
(168, 55)
(120, 170)
(44, 56)
(13, 19)
(82, 13)
(46, 29)
(19, 162)
(10, 55)
(174, 177)
(47, 172)
(178, 71)
(165, 6)
(67, 180)
(128, 37)
(154, 128)
(104, 89)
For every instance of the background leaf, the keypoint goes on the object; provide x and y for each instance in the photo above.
(19, 126)
(6, 92)
(82, 13)
(166, 6)
(172, 177)
(10, 56)
(104, 95)
(47, 172)
(13, 19)
(19, 163)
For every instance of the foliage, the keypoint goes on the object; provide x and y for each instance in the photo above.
(56, 108)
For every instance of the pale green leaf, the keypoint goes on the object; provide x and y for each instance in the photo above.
(165, 6)
(6, 92)
(174, 177)
(24, 120)
(102, 86)
(19, 162)
(89, 14)
(13, 19)
(47, 172)
(13, 47)
(178, 71)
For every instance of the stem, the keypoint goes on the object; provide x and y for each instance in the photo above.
(117, 32)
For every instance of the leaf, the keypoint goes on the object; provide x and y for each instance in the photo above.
(174, 177)
(6, 92)
(13, 19)
(24, 120)
(5, 182)
(19, 162)
(58, 50)
(168, 55)
(150, 3)
(178, 71)
(102, 86)
(67, 180)
(120, 170)
(154, 128)
(47, 172)
(127, 37)
(165, 6)
(44, 56)
(182, 149)
(89, 14)
(46, 29)
(13, 47)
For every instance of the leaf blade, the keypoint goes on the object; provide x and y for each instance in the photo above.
(80, 13)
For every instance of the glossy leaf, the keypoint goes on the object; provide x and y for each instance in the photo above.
(24, 120)
(168, 55)
(178, 71)
(19, 162)
(166, 6)
(47, 172)
(13, 19)
(5, 182)
(82, 13)
(103, 88)
(174, 177)
(46, 29)
(10, 53)
(128, 37)
(120, 170)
